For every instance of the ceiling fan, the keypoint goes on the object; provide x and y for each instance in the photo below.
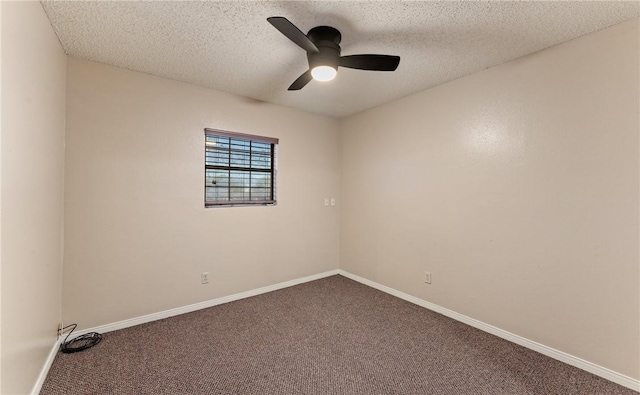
(323, 53)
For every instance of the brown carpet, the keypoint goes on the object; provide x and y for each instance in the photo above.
(331, 336)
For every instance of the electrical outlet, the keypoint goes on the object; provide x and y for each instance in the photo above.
(204, 278)
(427, 277)
(333, 201)
(60, 326)
(326, 201)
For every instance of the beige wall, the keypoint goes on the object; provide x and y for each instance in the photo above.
(33, 121)
(137, 235)
(517, 187)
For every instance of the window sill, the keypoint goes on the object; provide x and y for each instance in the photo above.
(240, 204)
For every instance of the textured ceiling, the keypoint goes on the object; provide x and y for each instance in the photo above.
(230, 46)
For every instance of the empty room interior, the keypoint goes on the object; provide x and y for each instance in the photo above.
(320, 197)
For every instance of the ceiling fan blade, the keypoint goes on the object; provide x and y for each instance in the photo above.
(292, 33)
(370, 62)
(301, 81)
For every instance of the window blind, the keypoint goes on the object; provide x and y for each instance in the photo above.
(239, 169)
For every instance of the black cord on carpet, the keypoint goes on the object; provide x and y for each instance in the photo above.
(79, 343)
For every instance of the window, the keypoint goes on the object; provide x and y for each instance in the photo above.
(240, 169)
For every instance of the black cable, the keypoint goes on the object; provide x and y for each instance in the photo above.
(79, 343)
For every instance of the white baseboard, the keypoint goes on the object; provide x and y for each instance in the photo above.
(45, 368)
(541, 348)
(202, 305)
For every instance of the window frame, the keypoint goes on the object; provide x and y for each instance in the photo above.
(272, 170)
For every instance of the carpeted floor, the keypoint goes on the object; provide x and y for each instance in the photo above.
(331, 336)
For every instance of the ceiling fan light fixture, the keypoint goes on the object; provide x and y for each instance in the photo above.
(323, 73)
(322, 45)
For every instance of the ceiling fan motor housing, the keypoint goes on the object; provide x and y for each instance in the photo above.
(327, 39)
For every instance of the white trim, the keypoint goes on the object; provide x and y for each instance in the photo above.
(590, 367)
(37, 386)
(202, 305)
